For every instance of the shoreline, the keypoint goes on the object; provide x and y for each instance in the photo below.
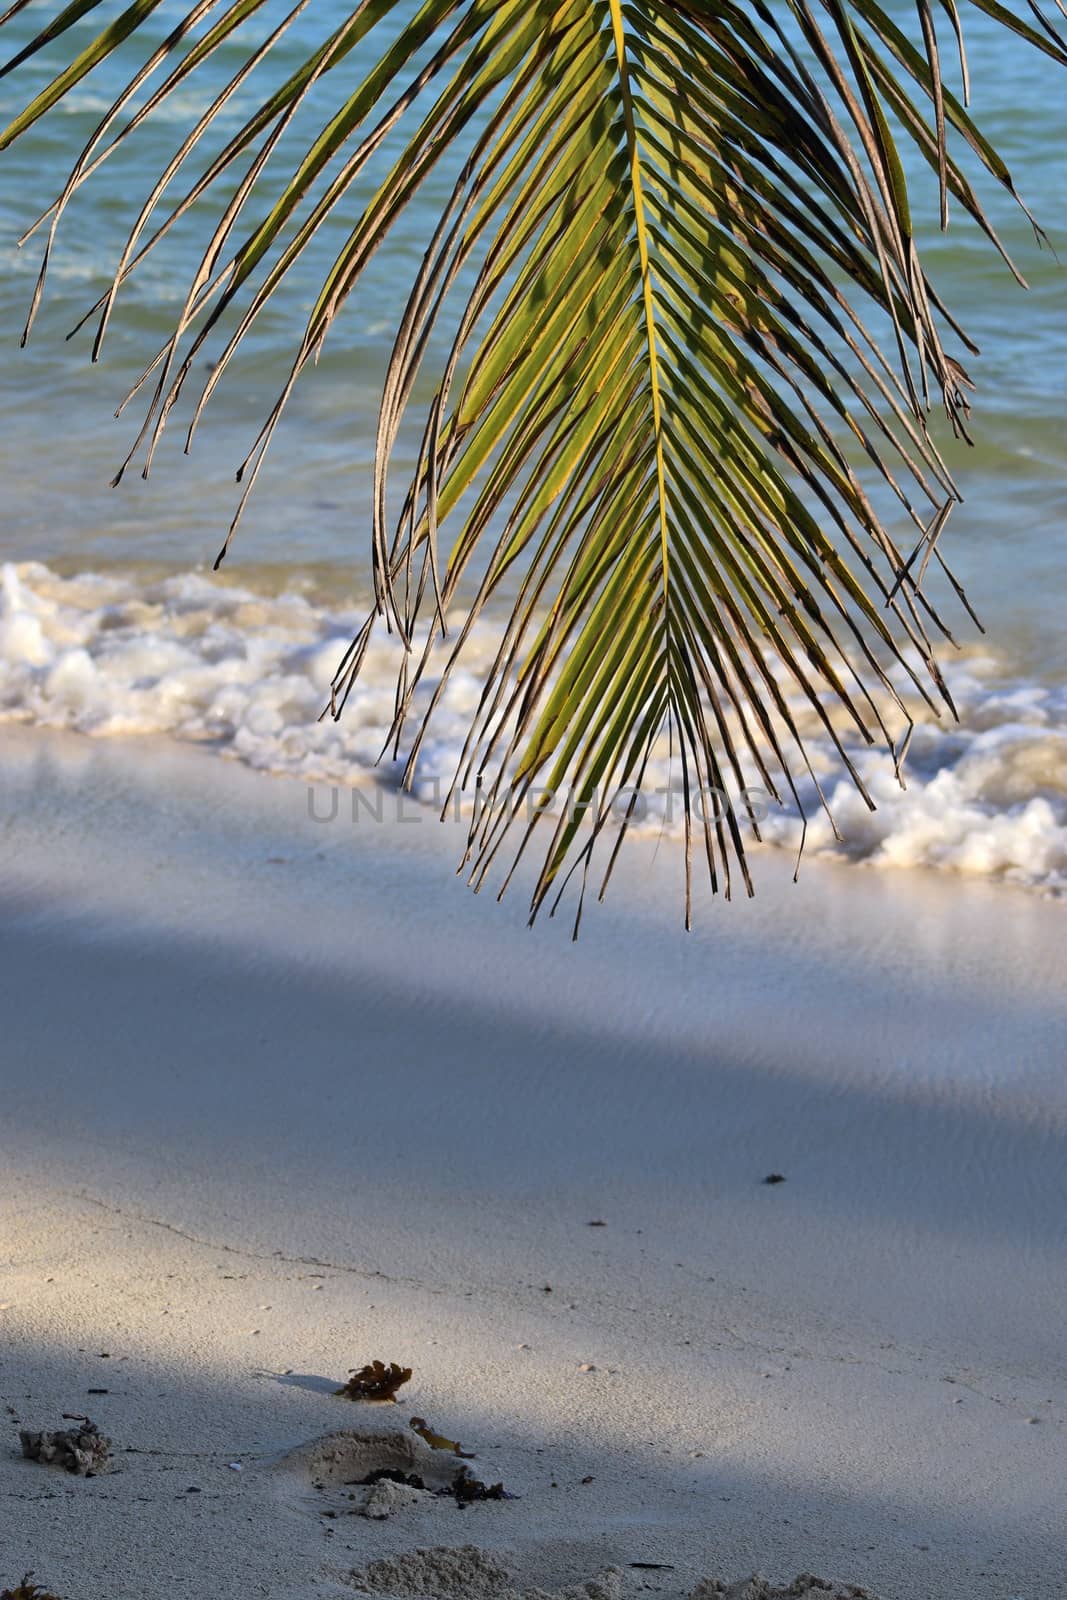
(277, 1097)
(247, 674)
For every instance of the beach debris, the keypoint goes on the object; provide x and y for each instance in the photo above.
(652, 1566)
(393, 1490)
(349, 1467)
(409, 1480)
(775, 1177)
(26, 1591)
(82, 1450)
(375, 1381)
(597, 1222)
(465, 1488)
(437, 1441)
(587, 1366)
(358, 1458)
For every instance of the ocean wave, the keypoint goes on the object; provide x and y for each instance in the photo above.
(193, 658)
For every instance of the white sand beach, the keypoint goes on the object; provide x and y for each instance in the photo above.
(281, 1097)
(624, 362)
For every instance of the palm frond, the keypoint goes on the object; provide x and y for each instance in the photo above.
(689, 293)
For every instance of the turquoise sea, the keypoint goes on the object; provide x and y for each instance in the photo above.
(116, 627)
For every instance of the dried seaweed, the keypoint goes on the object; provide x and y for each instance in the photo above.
(82, 1450)
(376, 1381)
(410, 1480)
(465, 1489)
(437, 1441)
(26, 1591)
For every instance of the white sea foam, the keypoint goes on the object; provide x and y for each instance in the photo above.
(195, 659)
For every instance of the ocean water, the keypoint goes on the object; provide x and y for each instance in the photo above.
(110, 620)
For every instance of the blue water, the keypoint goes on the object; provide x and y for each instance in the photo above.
(59, 443)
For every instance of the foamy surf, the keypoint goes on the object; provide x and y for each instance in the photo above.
(195, 659)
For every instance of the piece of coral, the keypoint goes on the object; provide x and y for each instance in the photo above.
(82, 1449)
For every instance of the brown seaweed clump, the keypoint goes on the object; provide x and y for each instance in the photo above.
(376, 1381)
(465, 1488)
(82, 1449)
(26, 1591)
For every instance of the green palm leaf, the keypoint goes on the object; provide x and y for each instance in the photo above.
(677, 233)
